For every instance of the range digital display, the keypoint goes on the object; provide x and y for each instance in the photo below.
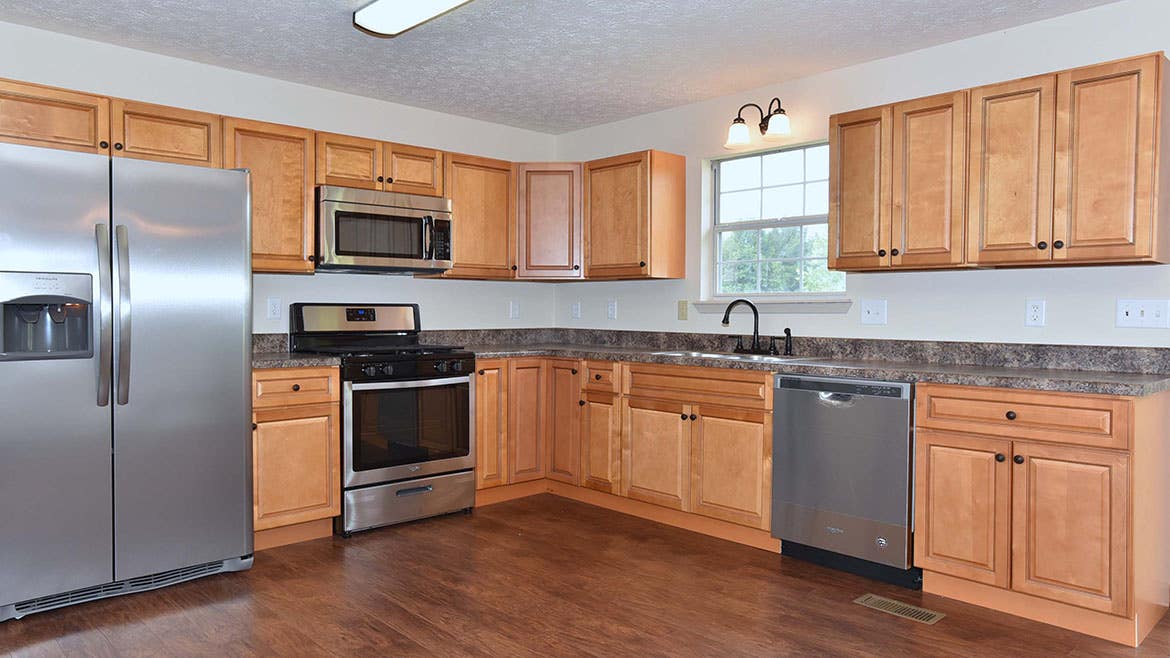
(359, 315)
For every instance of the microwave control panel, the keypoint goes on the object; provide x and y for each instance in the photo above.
(441, 247)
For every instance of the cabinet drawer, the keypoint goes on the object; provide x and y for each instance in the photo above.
(601, 376)
(283, 387)
(739, 388)
(1100, 421)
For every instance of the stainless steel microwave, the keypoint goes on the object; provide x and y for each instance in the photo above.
(373, 231)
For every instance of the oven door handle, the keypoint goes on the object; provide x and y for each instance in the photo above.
(413, 383)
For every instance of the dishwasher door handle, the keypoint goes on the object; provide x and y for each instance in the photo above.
(837, 400)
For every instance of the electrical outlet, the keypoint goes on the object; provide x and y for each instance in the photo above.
(683, 307)
(1034, 313)
(575, 311)
(274, 308)
(611, 309)
(513, 309)
(873, 311)
(1143, 313)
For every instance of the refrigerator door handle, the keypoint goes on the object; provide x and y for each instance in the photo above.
(105, 314)
(122, 245)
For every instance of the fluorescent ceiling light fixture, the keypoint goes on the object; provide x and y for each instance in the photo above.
(393, 17)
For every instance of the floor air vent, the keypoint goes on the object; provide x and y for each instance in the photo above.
(890, 606)
(142, 584)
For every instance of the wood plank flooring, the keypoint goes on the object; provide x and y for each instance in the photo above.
(536, 576)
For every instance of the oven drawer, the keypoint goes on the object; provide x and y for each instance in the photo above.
(286, 387)
(385, 504)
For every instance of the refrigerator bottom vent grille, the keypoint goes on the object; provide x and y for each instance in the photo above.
(142, 584)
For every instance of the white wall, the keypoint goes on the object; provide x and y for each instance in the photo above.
(65, 61)
(978, 305)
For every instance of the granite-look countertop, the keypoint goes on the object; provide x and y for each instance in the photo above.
(292, 360)
(1070, 381)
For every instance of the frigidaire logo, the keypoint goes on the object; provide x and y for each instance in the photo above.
(834, 531)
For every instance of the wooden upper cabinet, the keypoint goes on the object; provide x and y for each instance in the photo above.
(859, 189)
(527, 419)
(491, 423)
(656, 452)
(282, 160)
(412, 170)
(1009, 200)
(731, 464)
(349, 161)
(1107, 124)
(601, 444)
(1070, 515)
(563, 440)
(929, 172)
(962, 515)
(483, 210)
(635, 216)
(549, 221)
(167, 134)
(55, 118)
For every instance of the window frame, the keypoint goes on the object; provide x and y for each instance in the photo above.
(803, 220)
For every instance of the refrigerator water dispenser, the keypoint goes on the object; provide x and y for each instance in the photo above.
(45, 315)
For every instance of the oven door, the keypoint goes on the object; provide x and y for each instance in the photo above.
(398, 430)
(357, 236)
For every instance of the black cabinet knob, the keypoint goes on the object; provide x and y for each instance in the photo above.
(597, 377)
(641, 263)
(296, 387)
(1019, 459)
(254, 426)
(1059, 244)
(380, 179)
(580, 403)
(1011, 415)
(1041, 245)
(513, 268)
(684, 416)
(693, 416)
(118, 146)
(574, 371)
(389, 179)
(999, 456)
(894, 252)
(104, 144)
(481, 372)
(881, 252)
(576, 267)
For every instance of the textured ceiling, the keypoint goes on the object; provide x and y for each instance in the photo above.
(547, 65)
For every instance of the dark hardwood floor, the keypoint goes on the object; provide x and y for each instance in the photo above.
(536, 576)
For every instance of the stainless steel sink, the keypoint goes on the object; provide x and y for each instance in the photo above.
(728, 356)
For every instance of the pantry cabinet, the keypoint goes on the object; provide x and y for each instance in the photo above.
(563, 430)
(36, 115)
(549, 222)
(281, 160)
(483, 203)
(635, 216)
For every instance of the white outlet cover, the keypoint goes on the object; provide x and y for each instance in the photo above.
(1034, 313)
(611, 309)
(513, 309)
(575, 311)
(274, 308)
(873, 311)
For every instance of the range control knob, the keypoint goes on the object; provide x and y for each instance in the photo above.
(441, 366)
(370, 371)
(387, 369)
(457, 366)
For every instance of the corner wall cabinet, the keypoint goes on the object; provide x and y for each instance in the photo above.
(1061, 168)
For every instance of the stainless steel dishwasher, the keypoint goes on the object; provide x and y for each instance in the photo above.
(842, 474)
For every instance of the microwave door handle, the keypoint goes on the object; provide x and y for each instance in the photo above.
(428, 237)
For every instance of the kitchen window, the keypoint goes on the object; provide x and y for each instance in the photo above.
(772, 223)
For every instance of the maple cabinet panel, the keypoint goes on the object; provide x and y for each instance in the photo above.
(349, 161)
(281, 160)
(56, 118)
(527, 415)
(549, 221)
(491, 423)
(564, 426)
(296, 454)
(167, 134)
(483, 203)
(601, 441)
(412, 169)
(860, 147)
(731, 465)
(656, 453)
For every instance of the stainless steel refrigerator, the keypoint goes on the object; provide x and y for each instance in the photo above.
(125, 360)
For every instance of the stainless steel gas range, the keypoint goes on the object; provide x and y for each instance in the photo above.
(408, 418)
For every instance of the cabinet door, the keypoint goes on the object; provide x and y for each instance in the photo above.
(929, 181)
(962, 507)
(656, 452)
(859, 189)
(483, 204)
(168, 134)
(563, 441)
(549, 224)
(1009, 187)
(601, 442)
(731, 465)
(54, 118)
(1070, 526)
(617, 219)
(526, 419)
(281, 159)
(491, 424)
(349, 161)
(412, 170)
(1106, 152)
(296, 465)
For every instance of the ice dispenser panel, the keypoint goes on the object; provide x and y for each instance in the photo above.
(45, 315)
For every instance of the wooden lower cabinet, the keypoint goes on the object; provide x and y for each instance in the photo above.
(491, 423)
(526, 419)
(601, 441)
(656, 452)
(563, 438)
(731, 464)
(296, 452)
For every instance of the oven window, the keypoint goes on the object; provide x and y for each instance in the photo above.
(397, 426)
(380, 236)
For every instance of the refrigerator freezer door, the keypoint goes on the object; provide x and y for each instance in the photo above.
(182, 366)
(55, 505)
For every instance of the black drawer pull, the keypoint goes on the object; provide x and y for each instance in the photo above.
(296, 387)
(1011, 415)
(574, 371)
(597, 377)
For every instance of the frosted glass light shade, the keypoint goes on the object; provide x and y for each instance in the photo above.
(737, 135)
(778, 126)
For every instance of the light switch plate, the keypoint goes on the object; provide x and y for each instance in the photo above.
(873, 311)
(683, 307)
(1034, 312)
(611, 309)
(1143, 313)
(575, 311)
(274, 308)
